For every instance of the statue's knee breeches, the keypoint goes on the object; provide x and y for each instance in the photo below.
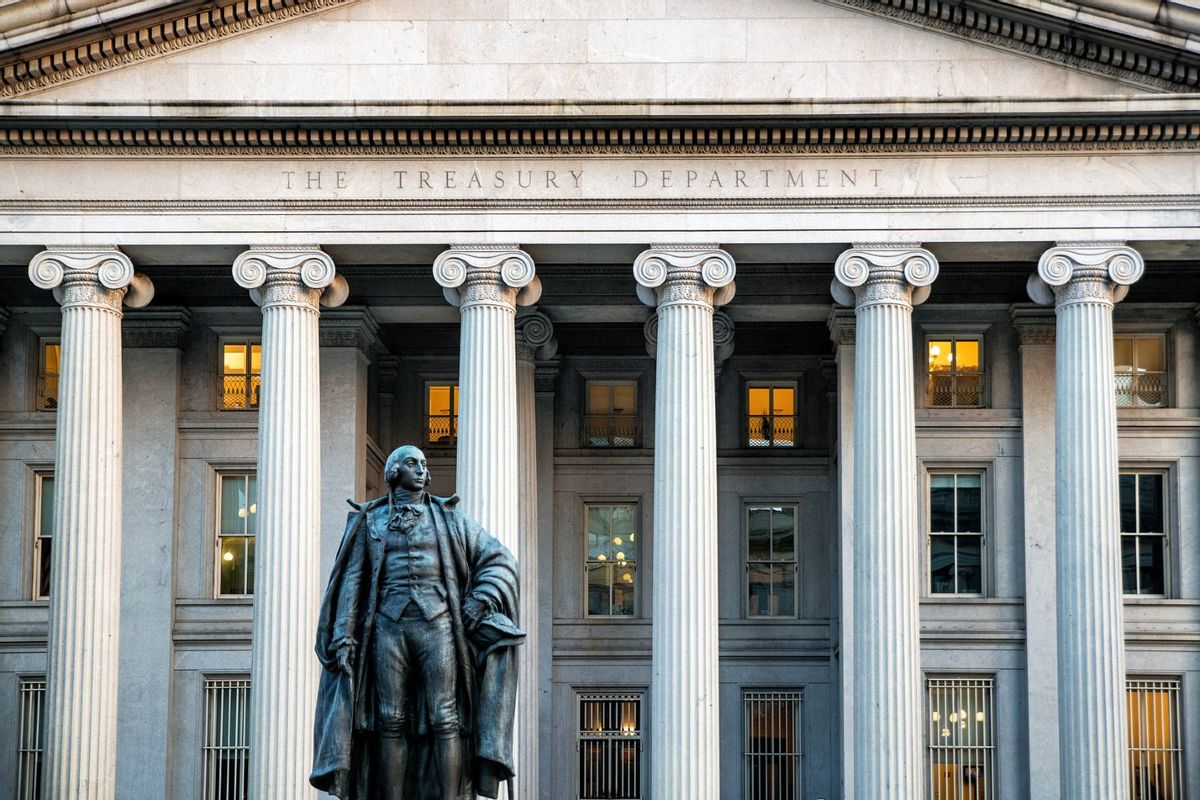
(439, 665)
(416, 649)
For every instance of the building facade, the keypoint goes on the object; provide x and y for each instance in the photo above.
(831, 367)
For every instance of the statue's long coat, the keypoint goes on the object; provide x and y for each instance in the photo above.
(475, 564)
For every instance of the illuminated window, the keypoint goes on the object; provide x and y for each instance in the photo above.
(771, 561)
(44, 531)
(610, 418)
(241, 368)
(771, 415)
(611, 564)
(226, 738)
(772, 745)
(610, 746)
(1155, 748)
(1141, 371)
(955, 375)
(441, 417)
(49, 366)
(960, 740)
(956, 533)
(1143, 533)
(31, 742)
(238, 522)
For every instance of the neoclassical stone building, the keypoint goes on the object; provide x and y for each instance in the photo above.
(830, 365)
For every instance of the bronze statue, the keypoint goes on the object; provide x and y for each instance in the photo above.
(417, 636)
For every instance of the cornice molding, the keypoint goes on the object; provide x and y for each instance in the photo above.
(1072, 42)
(156, 327)
(350, 326)
(54, 62)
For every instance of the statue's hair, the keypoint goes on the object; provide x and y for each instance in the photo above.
(391, 469)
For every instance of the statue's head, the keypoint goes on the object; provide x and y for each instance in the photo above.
(407, 469)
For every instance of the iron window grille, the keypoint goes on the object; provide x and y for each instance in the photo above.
(609, 741)
(49, 368)
(1143, 533)
(610, 414)
(237, 525)
(1155, 745)
(772, 745)
(1141, 374)
(960, 743)
(441, 414)
(955, 373)
(611, 560)
(226, 738)
(31, 742)
(771, 564)
(771, 415)
(241, 375)
(956, 540)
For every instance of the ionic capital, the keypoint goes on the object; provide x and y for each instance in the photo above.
(485, 274)
(685, 275)
(535, 336)
(1085, 272)
(298, 277)
(91, 277)
(883, 274)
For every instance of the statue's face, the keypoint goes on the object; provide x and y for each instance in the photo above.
(413, 475)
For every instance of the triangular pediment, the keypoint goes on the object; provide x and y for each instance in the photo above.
(554, 50)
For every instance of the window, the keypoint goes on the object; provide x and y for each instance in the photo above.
(226, 738)
(955, 376)
(771, 410)
(611, 565)
(241, 367)
(772, 745)
(610, 746)
(955, 533)
(441, 415)
(771, 561)
(1143, 533)
(238, 522)
(31, 739)
(1141, 371)
(1155, 748)
(610, 419)
(49, 364)
(960, 740)
(43, 533)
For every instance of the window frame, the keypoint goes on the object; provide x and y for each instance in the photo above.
(427, 384)
(43, 337)
(767, 382)
(985, 520)
(206, 679)
(249, 340)
(638, 583)
(39, 474)
(747, 505)
(585, 439)
(954, 334)
(777, 693)
(638, 693)
(993, 748)
(1135, 332)
(220, 475)
(1167, 473)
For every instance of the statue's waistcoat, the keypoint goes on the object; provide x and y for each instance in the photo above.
(411, 571)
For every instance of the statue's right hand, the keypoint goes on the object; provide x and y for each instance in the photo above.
(345, 658)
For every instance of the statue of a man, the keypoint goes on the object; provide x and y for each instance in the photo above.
(417, 637)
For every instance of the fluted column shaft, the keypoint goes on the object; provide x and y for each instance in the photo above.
(287, 581)
(1085, 282)
(886, 584)
(684, 683)
(81, 680)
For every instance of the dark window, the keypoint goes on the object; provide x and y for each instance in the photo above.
(956, 533)
(1143, 533)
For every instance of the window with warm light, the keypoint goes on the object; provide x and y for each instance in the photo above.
(609, 741)
(226, 738)
(1155, 745)
(955, 542)
(960, 739)
(1143, 533)
(441, 414)
(610, 418)
(771, 751)
(1141, 371)
(31, 738)
(771, 415)
(43, 533)
(237, 525)
(611, 563)
(771, 561)
(241, 369)
(49, 367)
(955, 374)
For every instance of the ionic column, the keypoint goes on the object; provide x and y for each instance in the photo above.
(85, 581)
(289, 284)
(884, 283)
(487, 283)
(1084, 281)
(685, 284)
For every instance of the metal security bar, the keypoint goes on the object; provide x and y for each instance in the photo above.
(610, 746)
(1155, 747)
(772, 751)
(226, 738)
(31, 739)
(961, 749)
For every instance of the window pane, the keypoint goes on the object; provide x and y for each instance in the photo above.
(625, 398)
(1151, 565)
(439, 401)
(759, 544)
(783, 401)
(1128, 494)
(624, 589)
(1150, 505)
(235, 359)
(51, 358)
(598, 594)
(43, 577)
(252, 504)
(598, 399)
(1123, 353)
(235, 555)
(758, 599)
(941, 503)
(234, 509)
(598, 532)
(46, 523)
(941, 355)
(970, 564)
(1149, 354)
(783, 594)
(783, 534)
(970, 514)
(941, 564)
(759, 401)
(1129, 574)
(967, 355)
(256, 358)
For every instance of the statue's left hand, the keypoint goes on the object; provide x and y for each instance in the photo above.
(473, 610)
(345, 658)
